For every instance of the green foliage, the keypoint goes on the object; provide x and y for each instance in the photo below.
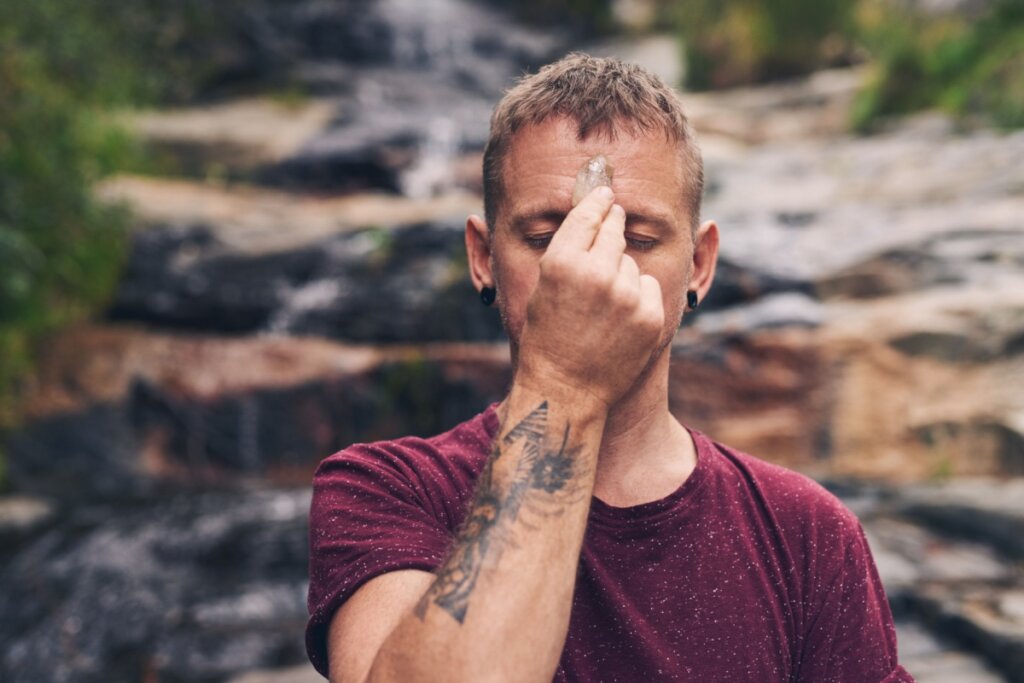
(182, 50)
(734, 42)
(60, 249)
(144, 51)
(970, 66)
(966, 67)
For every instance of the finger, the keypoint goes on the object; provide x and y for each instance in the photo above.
(610, 243)
(629, 271)
(650, 297)
(579, 228)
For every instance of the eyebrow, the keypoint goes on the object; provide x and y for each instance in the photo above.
(661, 223)
(521, 222)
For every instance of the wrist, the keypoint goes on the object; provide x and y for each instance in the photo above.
(561, 393)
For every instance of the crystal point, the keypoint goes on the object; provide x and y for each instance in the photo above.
(594, 173)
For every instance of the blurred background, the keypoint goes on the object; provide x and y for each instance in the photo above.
(231, 244)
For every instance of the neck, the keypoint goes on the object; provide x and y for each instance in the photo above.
(645, 453)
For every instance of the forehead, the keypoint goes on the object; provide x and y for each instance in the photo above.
(539, 171)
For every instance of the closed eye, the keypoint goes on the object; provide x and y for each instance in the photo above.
(542, 241)
(538, 241)
(641, 243)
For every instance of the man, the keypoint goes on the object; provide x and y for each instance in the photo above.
(576, 531)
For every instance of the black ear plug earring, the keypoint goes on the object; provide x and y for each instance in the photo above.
(691, 300)
(487, 295)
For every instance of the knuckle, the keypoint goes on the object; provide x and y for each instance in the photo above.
(651, 289)
(626, 297)
(595, 280)
(593, 275)
(628, 266)
(606, 276)
(653, 317)
(587, 215)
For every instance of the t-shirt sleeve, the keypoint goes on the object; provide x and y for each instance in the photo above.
(851, 637)
(367, 517)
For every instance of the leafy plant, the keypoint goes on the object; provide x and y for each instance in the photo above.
(971, 67)
(749, 41)
(60, 249)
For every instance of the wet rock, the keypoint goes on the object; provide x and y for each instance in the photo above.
(960, 334)
(826, 211)
(92, 453)
(186, 589)
(972, 616)
(931, 660)
(1003, 443)
(784, 310)
(384, 285)
(958, 586)
(128, 414)
(926, 382)
(735, 284)
(954, 258)
(296, 674)
(164, 281)
(765, 393)
(230, 139)
(387, 72)
(21, 518)
(911, 244)
(982, 509)
(223, 272)
(345, 162)
(250, 220)
(907, 554)
(817, 106)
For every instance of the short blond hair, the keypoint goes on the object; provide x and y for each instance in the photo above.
(602, 95)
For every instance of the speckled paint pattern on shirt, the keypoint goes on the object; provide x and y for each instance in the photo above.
(746, 572)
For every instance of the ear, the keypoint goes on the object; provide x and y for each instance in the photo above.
(705, 257)
(478, 252)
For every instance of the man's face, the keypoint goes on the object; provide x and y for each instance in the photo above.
(538, 178)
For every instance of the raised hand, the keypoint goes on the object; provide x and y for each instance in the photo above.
(593, 320)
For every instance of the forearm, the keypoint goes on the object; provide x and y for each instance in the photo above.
(499, 608)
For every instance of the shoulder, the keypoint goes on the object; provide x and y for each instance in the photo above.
(804, 512)
(840, 614)
(409, 454)
(426, 470)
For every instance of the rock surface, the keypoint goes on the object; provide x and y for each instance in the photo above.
(973, 508)
(186, 589)
(21, 518)
(956, 573)
(912, 336)
(867, 320)
(128, 414)
(406, 284)
(931, 660)
(382, 77)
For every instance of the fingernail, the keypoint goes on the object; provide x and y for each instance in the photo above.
(606, 192)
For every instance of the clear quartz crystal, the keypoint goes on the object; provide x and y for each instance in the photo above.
(596, 172)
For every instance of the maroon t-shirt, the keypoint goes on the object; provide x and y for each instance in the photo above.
(746, 572)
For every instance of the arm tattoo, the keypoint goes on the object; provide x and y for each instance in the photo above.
(544, 482)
